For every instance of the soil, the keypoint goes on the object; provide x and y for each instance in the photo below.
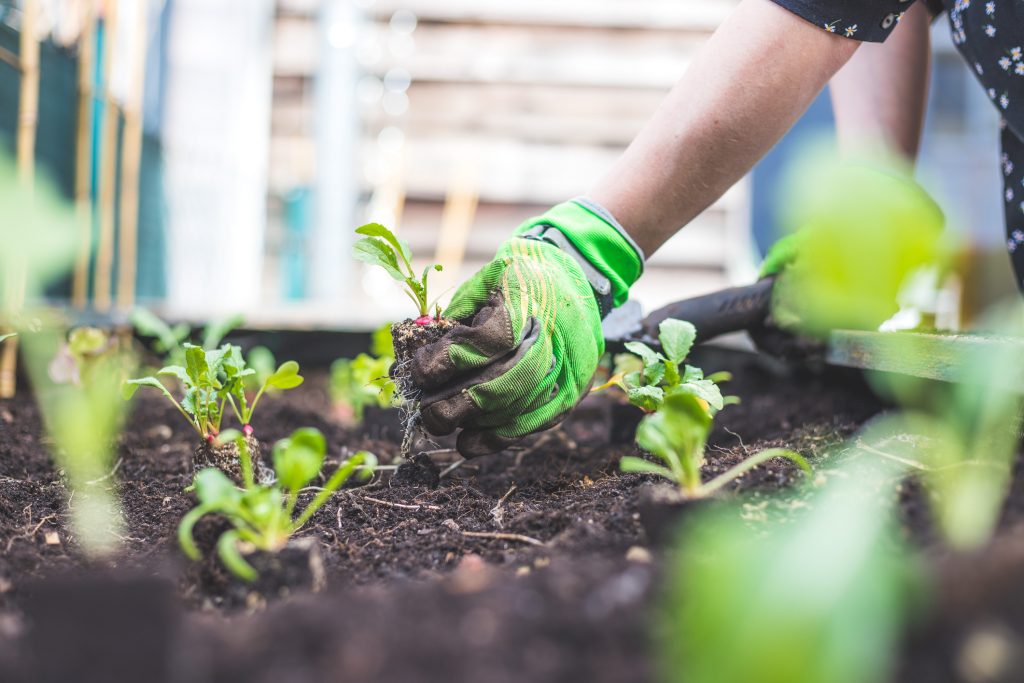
(225, 458)
(531, 565)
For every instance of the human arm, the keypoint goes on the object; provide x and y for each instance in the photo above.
(879, 97)
(746, 87)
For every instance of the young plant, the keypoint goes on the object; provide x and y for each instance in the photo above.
(677, 434)
(168, 341)
(211, 381)
(364, 380)
(359, 382)
(382, 248)
(664, 374)
(265, 516)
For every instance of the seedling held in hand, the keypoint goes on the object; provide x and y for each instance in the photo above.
(664, 374)
(382, 248)
(677, 435)
(265, 516)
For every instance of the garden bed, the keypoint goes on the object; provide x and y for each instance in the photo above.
(529, 565)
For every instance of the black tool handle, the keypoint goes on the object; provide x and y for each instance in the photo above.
(728, 310)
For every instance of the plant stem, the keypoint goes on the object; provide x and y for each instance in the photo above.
(750, 463)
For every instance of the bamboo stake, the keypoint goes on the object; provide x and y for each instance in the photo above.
(131, 158)
(28, 112)
(84, 155)
(108, 168)
(456, 220)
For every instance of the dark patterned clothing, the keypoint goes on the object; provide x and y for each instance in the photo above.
(990, 36)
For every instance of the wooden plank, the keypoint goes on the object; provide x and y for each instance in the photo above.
(528, 112)
(103, 275)
(929, 356)
(511, 171)
(488, 54)
(654, 14)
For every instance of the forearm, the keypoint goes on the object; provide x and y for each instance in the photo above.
(747, 86)
(879, 97)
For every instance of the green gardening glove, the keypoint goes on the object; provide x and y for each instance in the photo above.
(529, 337)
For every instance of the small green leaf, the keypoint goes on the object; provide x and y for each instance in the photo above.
(286, 376)
(132, 385)
(85, 341)
(215, 332)
(649, 355)
(298, 459)
(629, 463)
(704, 389)
(196, 366)
(213, 488)
(377, 253)
(646, 398)
(677, 337)
(175, 371)
(227, 548)
(228, 436)
(377, 230)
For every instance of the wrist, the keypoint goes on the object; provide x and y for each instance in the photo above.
(610, 259)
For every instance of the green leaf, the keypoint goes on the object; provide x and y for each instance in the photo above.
(132, 385)
(692, 373)
(649, 355)
(705, 389)
(185, 538)
(215, 332)
(677, 434)
(655, 373)
(286, 376)
(149, 325)
(227, 548)
(196, 366)
(86, 341)
(298, 459)
(629, 463)
(677, 337)
(213, 488)
(227, 436)
(382, 343)
(377, 230)
(176, 371)
(646, 397)
(262, 363)
(376, 253)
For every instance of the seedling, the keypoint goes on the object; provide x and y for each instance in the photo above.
(360, 382)
(264, 517)
(168, 341)
(87, 352)
(382, 248)
(664, 374)
(213, 380)
(677, 434)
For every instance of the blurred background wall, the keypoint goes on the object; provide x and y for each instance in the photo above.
(268, 129)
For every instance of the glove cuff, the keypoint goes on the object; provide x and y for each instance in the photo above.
(599, 239)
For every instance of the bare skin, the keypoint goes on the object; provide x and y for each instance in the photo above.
(748, 85)
(879, 97)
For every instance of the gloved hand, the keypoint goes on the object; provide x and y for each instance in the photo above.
(529, 337)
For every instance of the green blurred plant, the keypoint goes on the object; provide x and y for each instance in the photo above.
(864, 227)
(211, 381)
(83, 418)
(168, 341)
(364, 380)
(677, 435)
(662, 375)
(822, 598)
(87, 351)
(382, 248)
(264, 516)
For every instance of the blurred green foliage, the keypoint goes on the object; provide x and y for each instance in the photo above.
(861, 229)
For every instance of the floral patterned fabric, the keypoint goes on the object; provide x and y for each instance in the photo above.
(990, 36)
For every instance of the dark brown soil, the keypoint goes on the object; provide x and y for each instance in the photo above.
(521, 566)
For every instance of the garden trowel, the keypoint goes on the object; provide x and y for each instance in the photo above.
(735, 309)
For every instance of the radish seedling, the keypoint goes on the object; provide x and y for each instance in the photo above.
(677, 434)
(360, 382)
(213, 381)
(382, 248)
(168, 341)
(664, 374)
(264, 517)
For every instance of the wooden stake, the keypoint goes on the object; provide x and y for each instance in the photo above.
(28, 113)
(131, 157)
(456, 220)
(84, 155)
(108, 168)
